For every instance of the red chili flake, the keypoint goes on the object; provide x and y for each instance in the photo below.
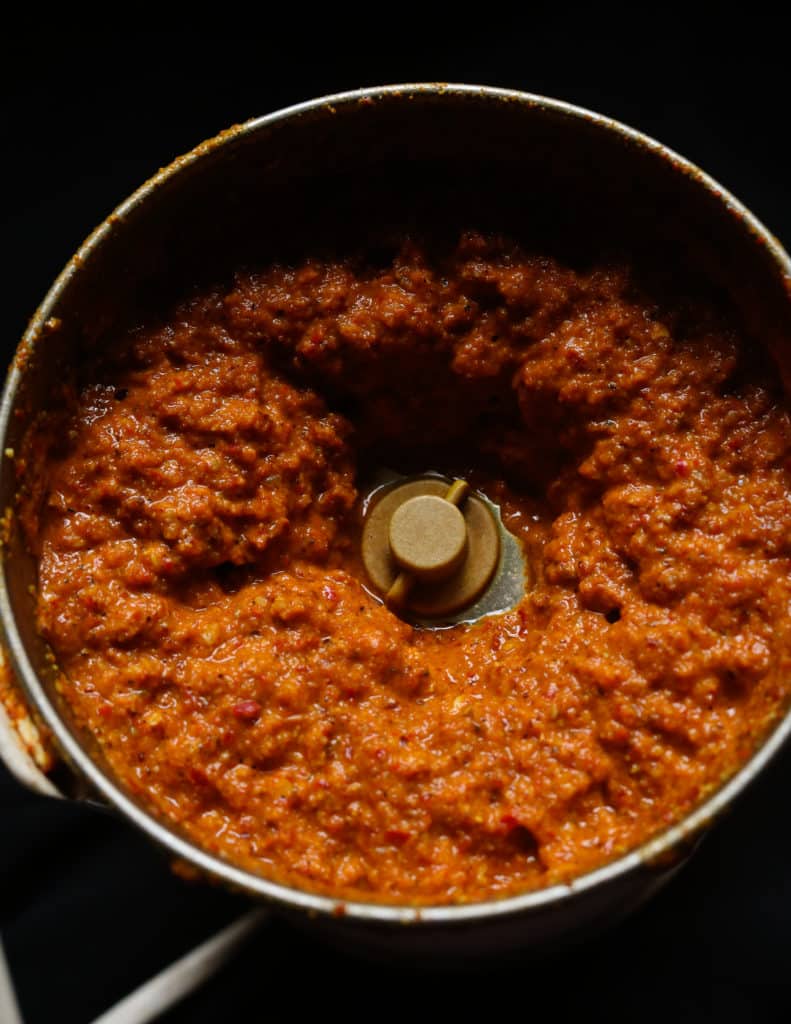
(510, 821)
(106, 710)
(398, 836)
(197, 777)
(682, 468)
(247, 710)
(736, 443)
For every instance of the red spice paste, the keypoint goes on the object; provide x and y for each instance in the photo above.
(194, 506)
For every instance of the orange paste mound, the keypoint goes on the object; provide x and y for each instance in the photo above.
(194, 502)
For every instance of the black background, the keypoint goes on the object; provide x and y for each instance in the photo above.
(88, 909)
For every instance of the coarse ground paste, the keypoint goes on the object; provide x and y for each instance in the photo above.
(193, 498)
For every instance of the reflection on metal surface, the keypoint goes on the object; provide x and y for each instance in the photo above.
(21, 747)
(9, 1008)
(183, 977)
